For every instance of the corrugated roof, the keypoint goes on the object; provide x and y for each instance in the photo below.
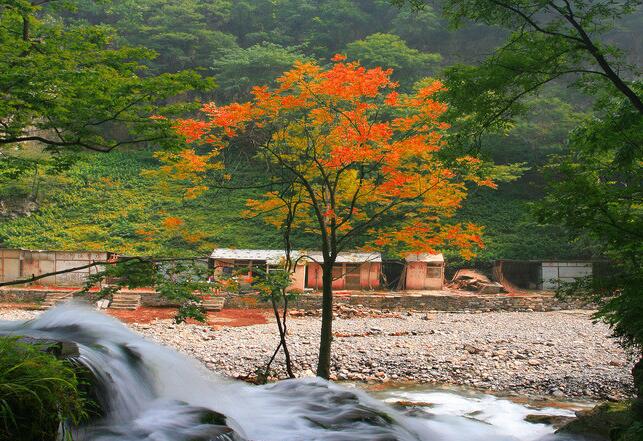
(270, 256)
(274, 256)
(348, 257)
(424, 257)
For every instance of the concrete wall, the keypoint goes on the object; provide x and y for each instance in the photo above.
(19, 264)
(553, 272)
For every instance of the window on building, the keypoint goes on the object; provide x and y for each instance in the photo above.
(227, 270)
(433, 272)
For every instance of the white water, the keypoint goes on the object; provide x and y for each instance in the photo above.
(464, 410)
(152, 393)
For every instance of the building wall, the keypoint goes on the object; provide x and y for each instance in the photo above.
(418, 277)
(553, 272)
(369, 275)
(19, 264)
(298, 278)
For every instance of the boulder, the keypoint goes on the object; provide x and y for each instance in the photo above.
(605, 421)
(472, 280)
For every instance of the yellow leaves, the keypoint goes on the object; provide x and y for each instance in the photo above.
(193, 237)
(298, 74)
(108, 182)
(195, 192)
(185, 169)
(430, 236)
(190, 162)
(487, 183)
(321, 116)
(476, 171)
(186, 164)
(468, 159)
(271, 207)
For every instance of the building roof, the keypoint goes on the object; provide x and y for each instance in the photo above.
(348, 257)
(270, 256)
(425, 257)
(274, 256)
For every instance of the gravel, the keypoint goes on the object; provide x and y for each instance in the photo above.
(560, 354)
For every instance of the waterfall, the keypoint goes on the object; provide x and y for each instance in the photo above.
(152, 393)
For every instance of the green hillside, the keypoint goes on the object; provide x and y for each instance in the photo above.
(81, 199)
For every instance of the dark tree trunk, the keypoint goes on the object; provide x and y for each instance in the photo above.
(323, 365)
(637, 373)
(25, 28)
(281, 325)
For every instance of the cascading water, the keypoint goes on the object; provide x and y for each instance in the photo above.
(149, 392)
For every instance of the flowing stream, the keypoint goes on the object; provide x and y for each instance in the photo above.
(149, 392)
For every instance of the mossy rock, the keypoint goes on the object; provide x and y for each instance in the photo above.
(609, 421)
(557, 421)
(633, 433)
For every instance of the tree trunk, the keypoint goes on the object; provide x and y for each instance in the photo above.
(323, 365)
(637, 373)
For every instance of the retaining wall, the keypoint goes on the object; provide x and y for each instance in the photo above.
(454, 302)
(421, 302)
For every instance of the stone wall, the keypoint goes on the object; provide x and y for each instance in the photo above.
(453, 302)
(421, 302)
(18, 295)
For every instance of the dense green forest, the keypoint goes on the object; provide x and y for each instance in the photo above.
(79, 199)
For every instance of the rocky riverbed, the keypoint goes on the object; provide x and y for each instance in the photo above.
(560, 354)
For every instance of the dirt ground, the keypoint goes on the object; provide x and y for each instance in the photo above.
(227, 318)
(224, 318)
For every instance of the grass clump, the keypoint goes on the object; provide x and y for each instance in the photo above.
(38, 392)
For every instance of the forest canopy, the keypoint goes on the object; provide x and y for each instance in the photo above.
(160, 57)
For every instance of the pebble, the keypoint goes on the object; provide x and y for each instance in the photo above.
(531, 353)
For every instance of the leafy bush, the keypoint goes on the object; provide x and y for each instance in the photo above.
(37, 392)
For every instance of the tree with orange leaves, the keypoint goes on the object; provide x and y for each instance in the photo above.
(368, 166)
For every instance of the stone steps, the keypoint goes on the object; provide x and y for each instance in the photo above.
(53, 298)
(125, 301)
(213, 303)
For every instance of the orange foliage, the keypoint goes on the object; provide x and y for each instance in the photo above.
(365, 159)
(172, 222)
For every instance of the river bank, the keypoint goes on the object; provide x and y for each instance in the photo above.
(555, 354)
